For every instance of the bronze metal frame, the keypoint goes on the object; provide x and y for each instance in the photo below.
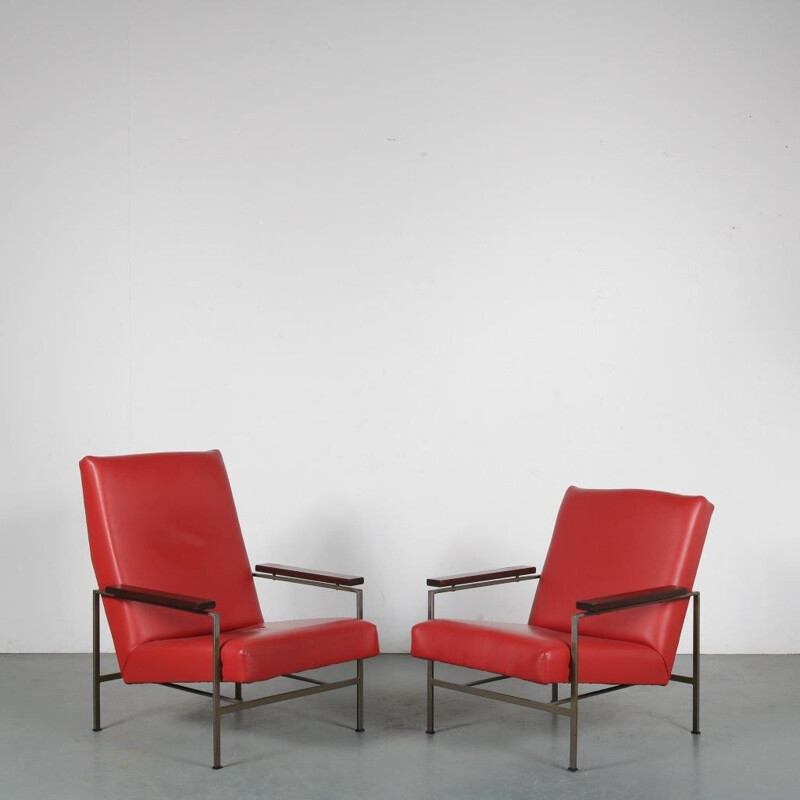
(555, 705)
(235, 703)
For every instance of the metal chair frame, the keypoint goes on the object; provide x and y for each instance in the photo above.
(235, 703)
(554, 706)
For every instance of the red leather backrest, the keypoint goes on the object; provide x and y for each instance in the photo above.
(611, 541)
(166, 521)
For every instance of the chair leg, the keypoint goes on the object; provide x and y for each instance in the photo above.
(237, 691)
(573, 704)
(216, 699)
(96, 661)
(554, 693)
(696, 665)
(573, 731)
(360, 696)
(430, 698)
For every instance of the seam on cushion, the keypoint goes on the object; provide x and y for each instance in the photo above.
(222, 645)
(127, 657)
(130, 653)
(663, 662)
(170, 639)
(569, 654)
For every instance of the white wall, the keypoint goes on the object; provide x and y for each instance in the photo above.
(414, 267)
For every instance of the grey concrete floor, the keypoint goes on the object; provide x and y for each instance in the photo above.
(633, 744)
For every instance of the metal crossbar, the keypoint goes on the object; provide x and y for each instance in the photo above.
(487, 680)
(277, 698)
(594, 693)
(201, 692)
(505, 698)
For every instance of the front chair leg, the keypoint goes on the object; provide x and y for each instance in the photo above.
(360, 696)
(573, 702)
(96, 661)
(430, 698)
(696, 664)
(216, 698)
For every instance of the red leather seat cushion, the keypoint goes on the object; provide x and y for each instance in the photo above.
(255, 653)
(534, 653)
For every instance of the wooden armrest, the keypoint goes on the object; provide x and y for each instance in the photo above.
(155, 597)
(480, 577)
(659, 594)
(333, 578)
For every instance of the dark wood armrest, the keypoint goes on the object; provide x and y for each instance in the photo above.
(481, 577)
(333, 578)
(154, 597)
(641, 597)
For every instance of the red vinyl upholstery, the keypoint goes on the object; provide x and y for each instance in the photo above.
(535, 654)
(167, 521)
(605, 542)
(254, 654)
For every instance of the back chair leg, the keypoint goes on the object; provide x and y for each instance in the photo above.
(696, 665)
(430, 698)
(360, 696)
(216, 697)
(96, 661)
(554, 693)
(237, 691)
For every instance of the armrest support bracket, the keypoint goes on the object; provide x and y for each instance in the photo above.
(481, 577)
(475, 580)
(333, 578)
(311, 577)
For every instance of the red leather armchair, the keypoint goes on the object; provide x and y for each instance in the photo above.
(609, 607)
(180, 596)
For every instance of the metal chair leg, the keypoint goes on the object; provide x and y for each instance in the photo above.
(216, 698)
(573, 702)
(360, 696)
(696, 665)
(554, 693)
(96, 661)
(237, 691)
(430, 698)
